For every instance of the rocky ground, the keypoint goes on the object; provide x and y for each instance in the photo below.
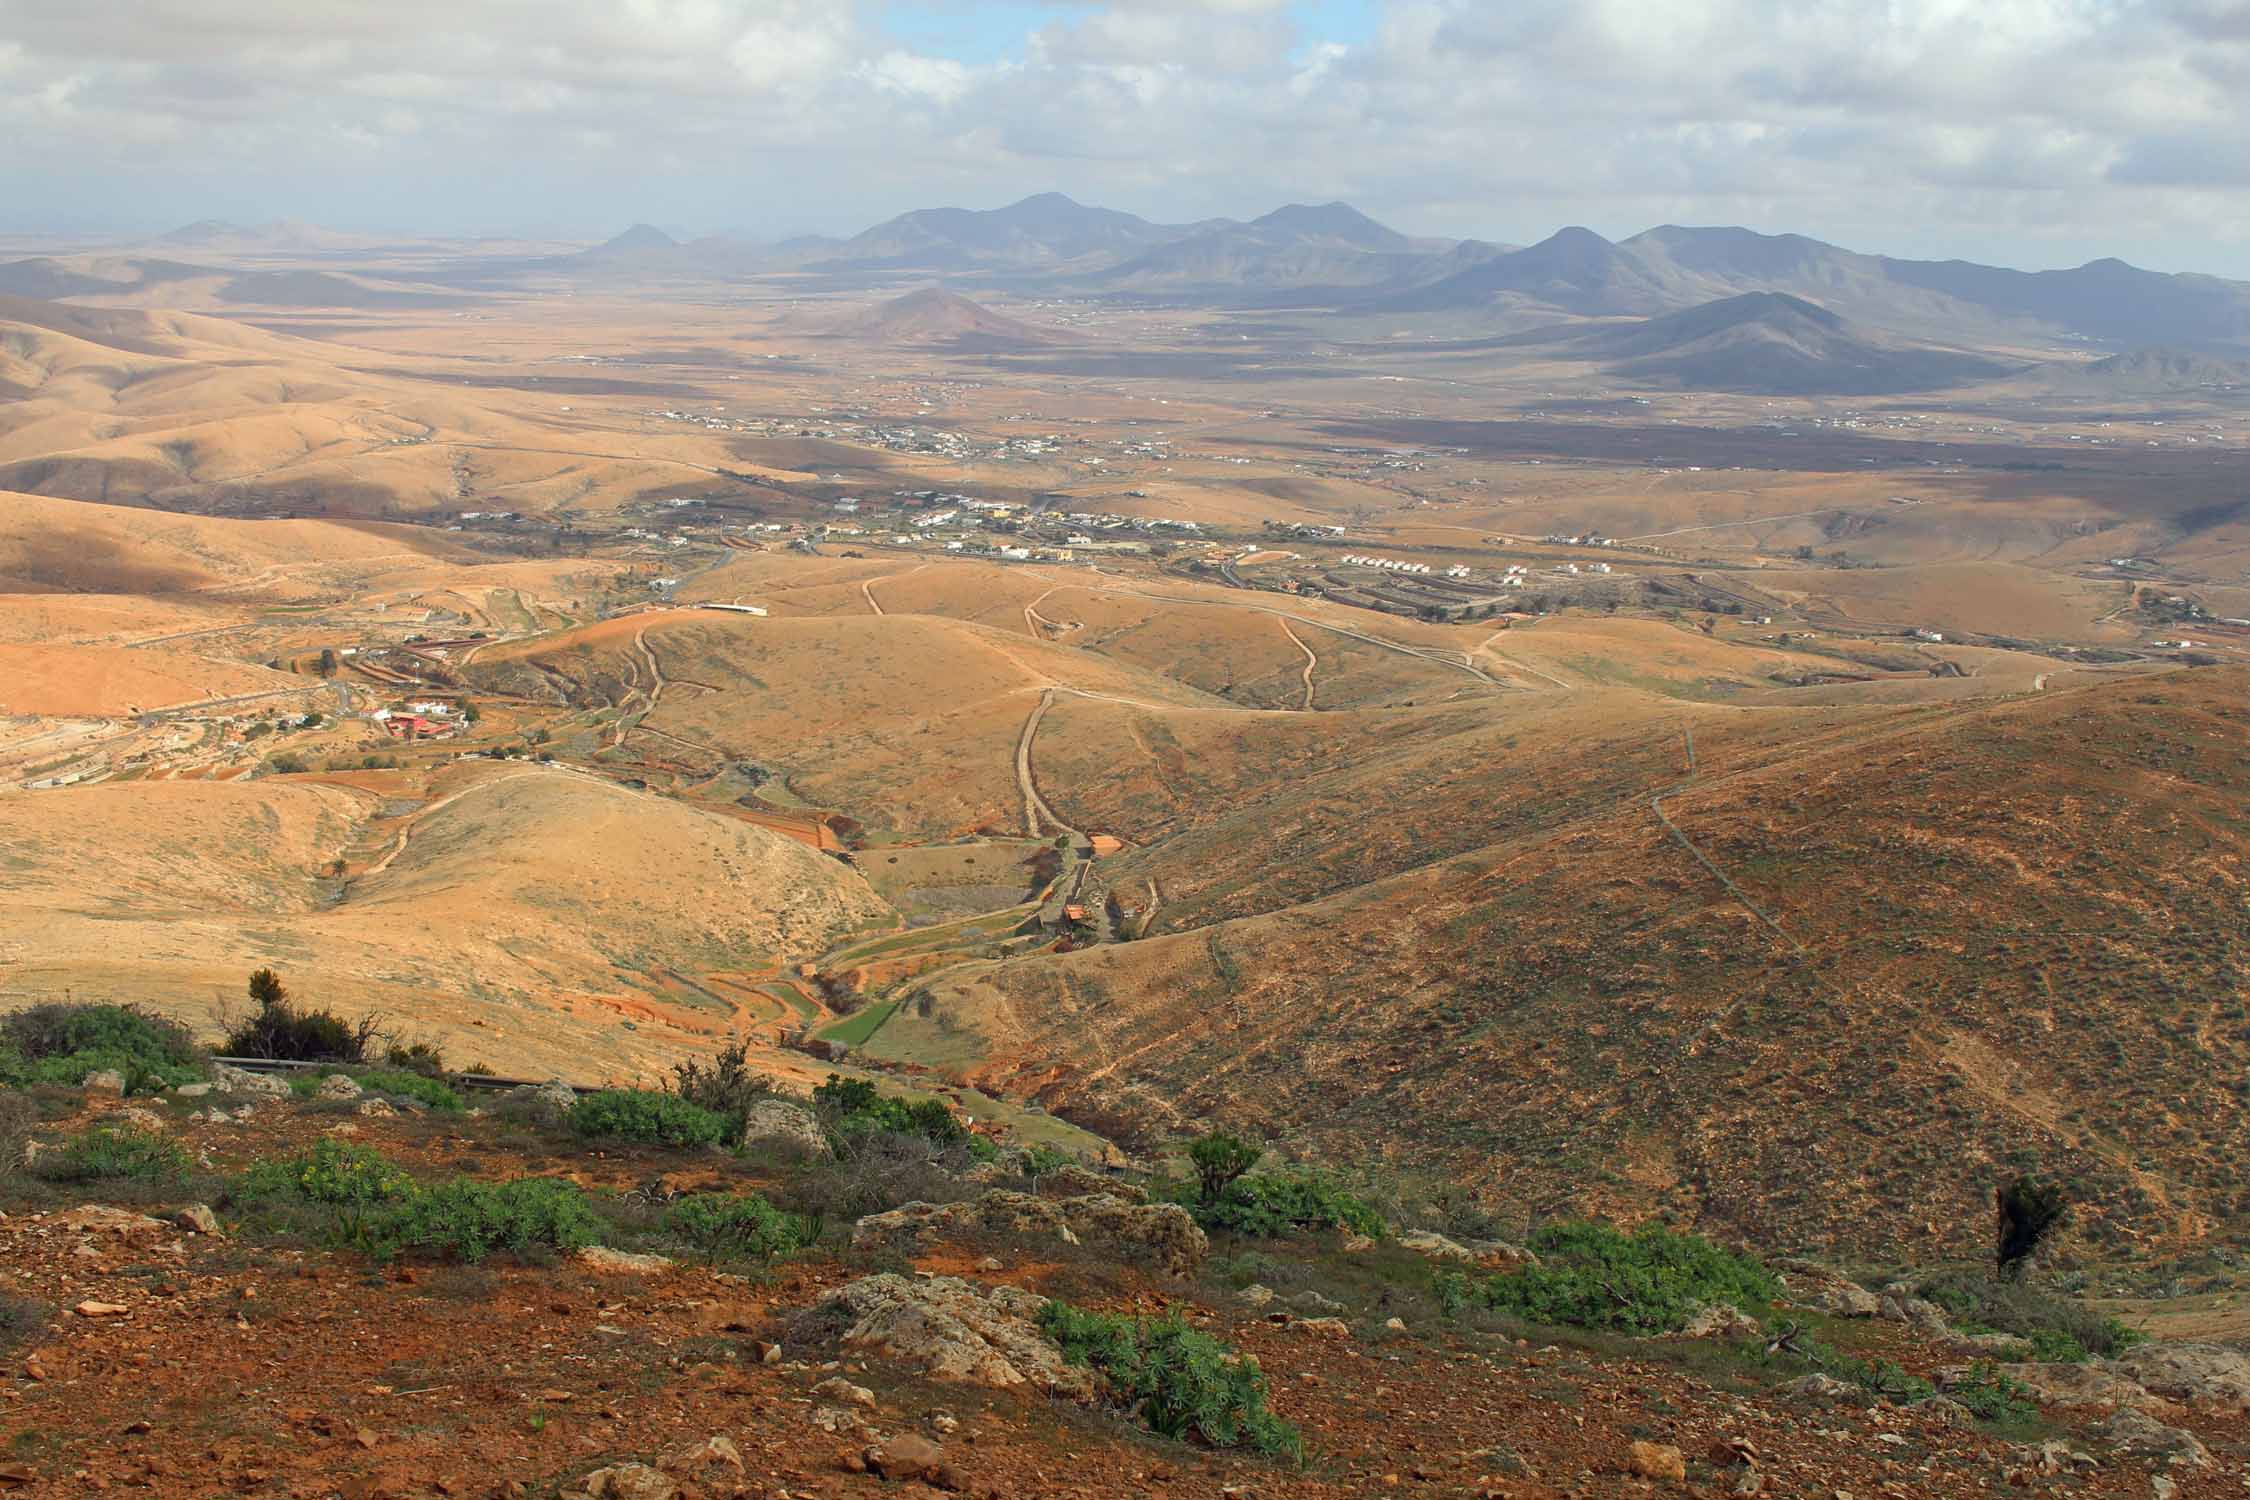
(181, 1354)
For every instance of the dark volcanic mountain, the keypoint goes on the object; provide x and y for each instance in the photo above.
(936, 316)
(639, 237)
(1339, 255)
(1338, 223)
(2104, 299)
(1574, 270)
(1046, 231)
(1300, 246)
(1773, 344)
(2165, 369)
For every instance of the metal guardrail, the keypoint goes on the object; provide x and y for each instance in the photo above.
(458, 1080)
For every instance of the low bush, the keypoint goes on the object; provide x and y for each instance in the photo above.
(725, 1085)
(108, 1153)
(399, 1083)
(335, 1173)
(1178, 1382)
(651, 1117)
(467, 1221)
(881, 1170)
(853, 1110)
(60, 1043)
(281, 1031)
(1276, 1203)
(1993, 1395)
(419, 1057)
(2057, 1328)
(1593, 1276)
(731, 1227)
(372, 1204)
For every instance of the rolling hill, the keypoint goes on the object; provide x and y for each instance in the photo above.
(2164, 369)
(1771, 343)
(1954, 944)
(934, 315)
(510, 912)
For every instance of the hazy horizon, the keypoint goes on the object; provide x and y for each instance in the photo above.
(2038, 133)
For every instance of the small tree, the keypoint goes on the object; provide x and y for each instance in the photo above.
(1219, 1159)
(327, 666)
(281, 1031)
(2031, 1214)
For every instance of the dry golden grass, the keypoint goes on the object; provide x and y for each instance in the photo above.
(116, 681)
(518, 916)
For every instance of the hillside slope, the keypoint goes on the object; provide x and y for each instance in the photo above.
(509, 912)
(2006, 934)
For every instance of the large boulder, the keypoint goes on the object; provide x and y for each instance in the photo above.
(1161, 1234)
(104, 1081)
(952, 1329)
(228, 1079)
(790, 1127)
(2077, 1385)
(2140, 1435)
(101, 1222)
(625, 1482)
(338, 1086)
(1898, 1305)
(2208, 1377)
(913, 1226)
(1074, 1181)
(1164, 1235)
(554, 1098)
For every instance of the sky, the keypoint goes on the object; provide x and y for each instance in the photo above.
(2025, 132)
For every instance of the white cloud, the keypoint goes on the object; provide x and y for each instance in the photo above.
(2050, 129)
(902, 72)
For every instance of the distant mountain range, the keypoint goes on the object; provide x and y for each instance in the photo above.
(1333, 256)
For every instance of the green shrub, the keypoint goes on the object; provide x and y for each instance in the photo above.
(1220, 1158)
(729, 1227)
(109, 1153)
(2050, 1324)
(424, 1058)
(1993, 1395)
(725, 1085)
(60, 1043)
(467, 1221)
(650, 1116)
(280, 1031)
(402, 1084)
(1593, 1276)
(1275, 1203)
(1178, 1382)
(853, 1111)
(334, 1173)
(2033, 1215)
(2051, 1348)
